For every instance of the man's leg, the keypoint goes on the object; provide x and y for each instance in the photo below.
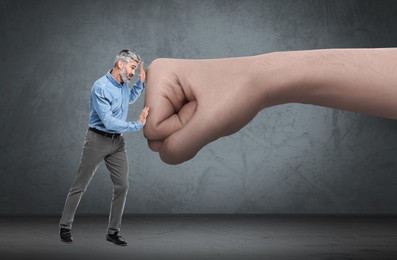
(91, 158)
(117, 164)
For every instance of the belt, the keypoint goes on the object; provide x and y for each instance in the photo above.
(104, 133)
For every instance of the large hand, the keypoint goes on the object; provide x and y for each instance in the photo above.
(194, 102)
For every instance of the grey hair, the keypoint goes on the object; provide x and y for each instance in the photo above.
(127, 56)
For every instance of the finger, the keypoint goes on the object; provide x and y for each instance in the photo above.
(155, 145)
(161, 122)
(165, 99)
(161, 109)
(164, 129)
(174, 123)
(184, 144)
(204, 126)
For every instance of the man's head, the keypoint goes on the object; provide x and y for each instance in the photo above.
(126, 62)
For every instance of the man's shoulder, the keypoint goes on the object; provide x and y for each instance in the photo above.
(101, 83)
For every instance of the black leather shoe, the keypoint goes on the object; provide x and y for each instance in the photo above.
(66, 235)
(116, 239)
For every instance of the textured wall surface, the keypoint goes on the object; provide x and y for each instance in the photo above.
(292, 158)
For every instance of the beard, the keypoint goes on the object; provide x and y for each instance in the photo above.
(124, 77)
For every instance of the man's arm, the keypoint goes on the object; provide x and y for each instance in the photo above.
(138, 87)
(136, 91)
(104, 110)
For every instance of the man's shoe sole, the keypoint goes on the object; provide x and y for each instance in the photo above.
(67, 241)
(110, 240)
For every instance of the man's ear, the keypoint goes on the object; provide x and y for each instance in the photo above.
(120, 64)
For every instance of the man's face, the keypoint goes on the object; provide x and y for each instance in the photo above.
(128, 71)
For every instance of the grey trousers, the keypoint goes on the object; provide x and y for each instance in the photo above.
(96, 149)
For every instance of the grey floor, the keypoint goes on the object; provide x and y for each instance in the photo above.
(205, 237)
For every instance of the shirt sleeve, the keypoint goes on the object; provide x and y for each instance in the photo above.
(136, 91)
(103, 108)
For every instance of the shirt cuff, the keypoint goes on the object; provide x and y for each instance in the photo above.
(140, 83)
(135, 126)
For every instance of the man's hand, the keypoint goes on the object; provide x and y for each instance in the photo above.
(143, 115)
(142, 73)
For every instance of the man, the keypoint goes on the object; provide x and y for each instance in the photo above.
(109, 101)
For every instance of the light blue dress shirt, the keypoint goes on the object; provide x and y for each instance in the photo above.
(109, 105)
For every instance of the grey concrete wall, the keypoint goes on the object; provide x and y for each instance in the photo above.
(292, 158)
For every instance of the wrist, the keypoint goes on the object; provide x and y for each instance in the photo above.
(279, 78)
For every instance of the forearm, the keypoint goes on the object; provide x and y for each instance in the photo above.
(136, 91)
(358, 80)
(117, 125)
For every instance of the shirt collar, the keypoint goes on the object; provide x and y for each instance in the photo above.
(110, 77)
